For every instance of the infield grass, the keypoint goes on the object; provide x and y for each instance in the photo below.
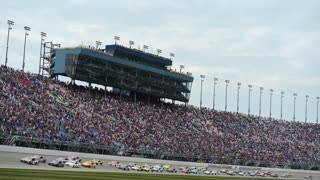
(27, 174)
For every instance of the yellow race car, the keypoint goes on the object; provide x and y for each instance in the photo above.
(166, 167)
(97, 161)
(89, 164)
(146, 169)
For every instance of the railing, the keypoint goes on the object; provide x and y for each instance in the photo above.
(41, 143)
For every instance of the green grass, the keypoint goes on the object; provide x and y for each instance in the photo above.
(26, 174)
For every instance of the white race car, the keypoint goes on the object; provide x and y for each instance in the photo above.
(124, 167)
(308, 177)
(285, 175)
(73, 158)
(73, 164)
(157, 168)
(207, 172)
(254, 173)
(34, 160)
(57, 162)
(114, 163)
(224, 170)
(136, 168)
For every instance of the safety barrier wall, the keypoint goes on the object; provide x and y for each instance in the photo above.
(34, 151)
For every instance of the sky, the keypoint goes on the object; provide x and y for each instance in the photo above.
(265, 43)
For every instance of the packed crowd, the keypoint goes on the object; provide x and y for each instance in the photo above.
(37, 107)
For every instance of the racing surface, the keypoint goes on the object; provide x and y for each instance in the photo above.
(12, 160)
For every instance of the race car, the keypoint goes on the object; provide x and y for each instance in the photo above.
(273, 175)
(202, 169)
(207, 172)
(157, 168)
(73, 164)
(124, 167)
(166, 166)
(224, 170)
(267, 173)
(57, 162)
(146, 168)
(184, 170)
(195, 171)
(34, 160)
(89, 164)
(136, 167)
(286, 175)
(72, 158)
(241, 173)
(114, 163)
(130, 165)
(261, 174)
(97, 162)
(308, 177)
(231, 173)
(214, 172)
(171, 170)
(254, 173)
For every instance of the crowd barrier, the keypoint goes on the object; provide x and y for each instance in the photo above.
(34, 151)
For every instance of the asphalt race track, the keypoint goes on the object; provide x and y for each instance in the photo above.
(12, 160)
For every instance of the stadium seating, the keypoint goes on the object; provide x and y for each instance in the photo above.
(37, 107)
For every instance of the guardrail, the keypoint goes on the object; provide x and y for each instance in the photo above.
(26, 150)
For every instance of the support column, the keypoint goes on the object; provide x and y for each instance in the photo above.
(89, 88)
(105, 92)
(185, 107)
(135, 97)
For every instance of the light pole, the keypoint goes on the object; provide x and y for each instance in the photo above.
(239, 84)
(26, 28)
(159, 51)
(116, 38)
(131, 43)
(261, 90)
(145, 47)
(271, 93)
(10, 23)
(318, 98)
(306, 110)
(202, 79)
(294, 105)
(282, 95)
(181, 67)
(215, 82)
(250, 86)
(226, 99)
(98, 43)
(171, 55)
(41, 43)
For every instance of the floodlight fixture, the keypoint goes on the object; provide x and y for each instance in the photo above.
(159, 51)
(131, 43)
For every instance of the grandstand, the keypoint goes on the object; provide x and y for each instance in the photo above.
(36, 111)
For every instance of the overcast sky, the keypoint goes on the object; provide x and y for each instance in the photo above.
(271, 43)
